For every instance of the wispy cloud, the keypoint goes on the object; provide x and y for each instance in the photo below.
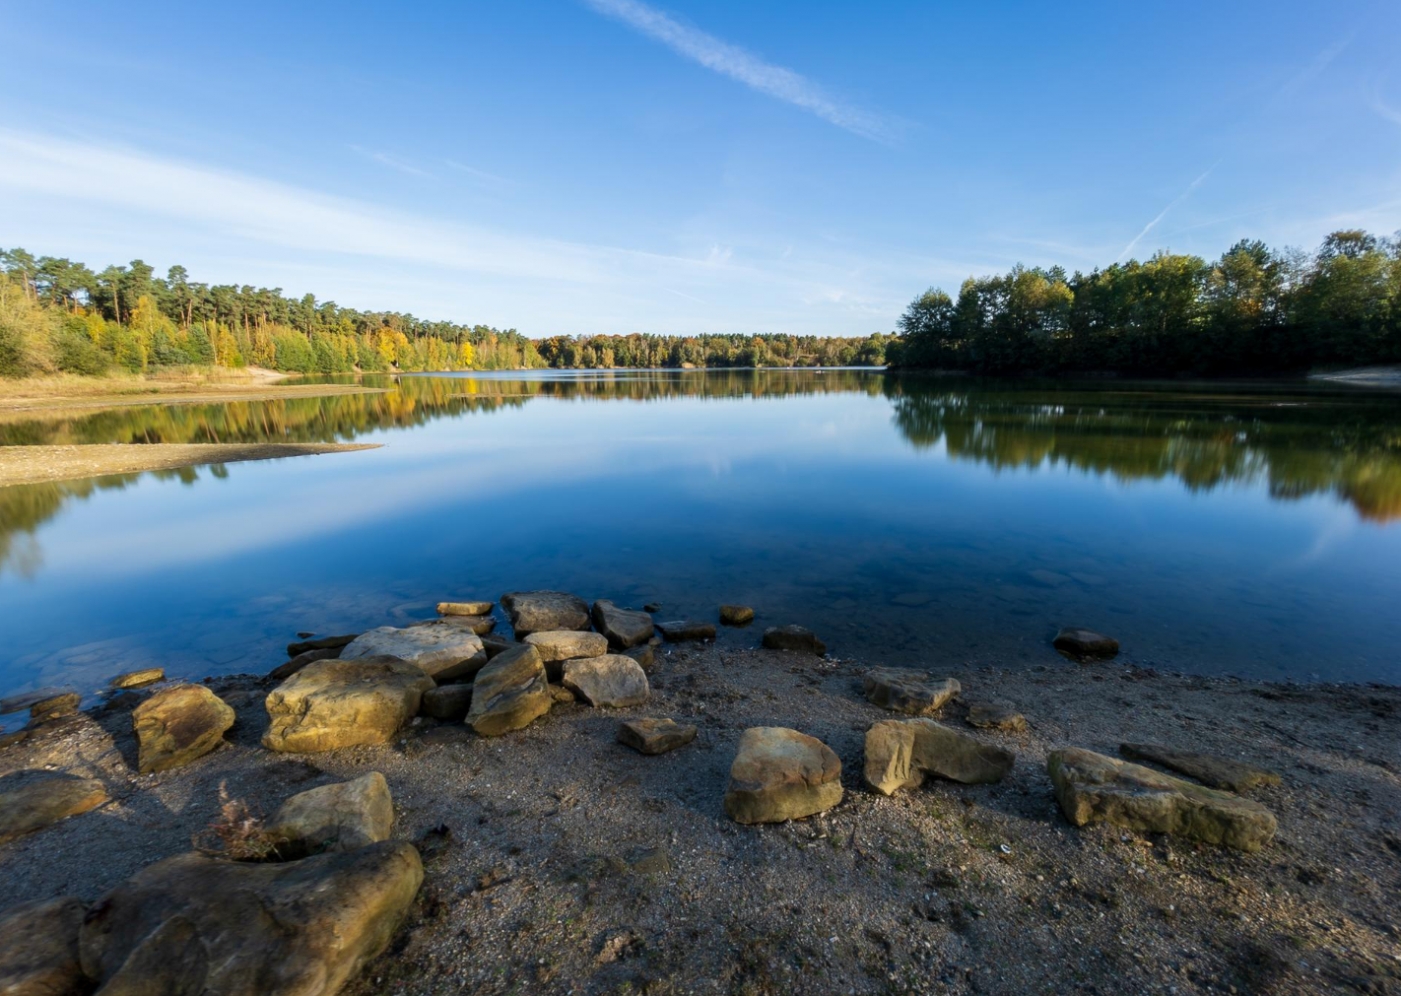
(478, 174)
(393, 162)
(1315, 68)
(1164, 213)
(744, 67)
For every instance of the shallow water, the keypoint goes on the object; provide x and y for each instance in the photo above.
(1244, 529)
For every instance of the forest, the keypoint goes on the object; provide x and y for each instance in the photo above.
(1253, 311)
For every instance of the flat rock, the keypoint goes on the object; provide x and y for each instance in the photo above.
(536, 611)
(177, 725)
(32, 800)
(510, 692)
(193, 924)
(441, 650)
(1085, 644)
(901, 689)
(736, 615)
(1093, 788)
(339, 817)
(556, 645)
(139, 678)
(613, 680)
(901, 753)
(994, 714)
(465, 608)
(780, 774)
(480, 625)
(796, 638)
(321, 643)
(284, 671)
(1210, 769)
(39, 949)
(624, 628)
(340, 703)
(655, 736)
(55, 707)
(27, 700)
(678, 630)
(447, 702)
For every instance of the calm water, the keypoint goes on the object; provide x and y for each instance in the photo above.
(1219, 529)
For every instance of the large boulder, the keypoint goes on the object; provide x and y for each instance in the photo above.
(510, 692)
(339, 817)
(39, 949)
(440, 649)
(32, 800)
(795, 638)
(177, 725)
(655, 736)
(678, 630)
(557, 645)
(1085, 644)
(193, 924)
(902, 689)
(340, 703)
(900, 753)
(536, 611)
(624, 628)
(1210, 769)
(780, 774)
(1094, 788)
(612, 680)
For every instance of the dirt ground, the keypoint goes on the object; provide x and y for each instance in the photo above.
(559, 861)
(33, 464)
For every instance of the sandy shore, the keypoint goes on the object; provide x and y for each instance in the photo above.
(33, 464)
(561, 862)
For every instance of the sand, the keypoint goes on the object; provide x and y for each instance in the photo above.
(34, 464)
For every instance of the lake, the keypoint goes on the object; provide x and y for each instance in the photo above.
(1248, 529)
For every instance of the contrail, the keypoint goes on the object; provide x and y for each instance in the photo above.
(1164, 212)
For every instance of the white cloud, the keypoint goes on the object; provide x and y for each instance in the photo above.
(744, 67)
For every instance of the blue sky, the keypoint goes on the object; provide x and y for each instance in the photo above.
(580, 166)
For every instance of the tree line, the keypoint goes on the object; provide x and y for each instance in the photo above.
(733, 350)
(1253, 311)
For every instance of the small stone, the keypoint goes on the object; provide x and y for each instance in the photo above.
(32, 800)
(480, 625)
(900, 753)
(1093, 788)
(284, 671)
(780, 774)
(650, 861)
(645, 655)
(654, 736)
(796, 638)
(339, 703)
(907, 690)
(444, 652)
(623, 628)
(686, 629)
(611, 681)
(993, 714)
(465, 608)
(139, 678)
(536, 611)
(324, 643)
(39, 949)
(55, 707)
(447, 702)
(736, 615)
(562, 695)
(511, 692)
(1210, 769)
(339, 817)
(177, 725)
(1085, 644)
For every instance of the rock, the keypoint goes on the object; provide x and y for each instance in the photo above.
(655, 736)
(1218, 772)
(55, 707)
(449, 702)
(902, 689)
(324, 643)
(438, 648)
(284, 671)
(624, 628)
(14, 737)
(39, 949)
(1093, 788)
(793, 638)
(900, 753)
(556, 645)
(494, 645)
(177, 725)
(646, 655)
(32, 800)
(652, 607)
(465, 608)
(511, 692)
(339, 817)
(27, 700)
(536, 611)
(993, 714)
(340, 703)
(780, 774)
(1085, 644)
(686, 629)
(613, 681)
(139, 678)
(736, 615)
(193, 924)
(480, 625)
(562, 695)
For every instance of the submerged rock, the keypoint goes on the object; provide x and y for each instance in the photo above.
(1093, 788)
(510, 692)
(624, 628)
(613, 680)
(796, 638)
(438, 648)
(1085, 644)
(536, 611)
(780, 774)
(900, 753)
(339, 817)
(39, 949)
(902, 689)
(27, 700)
(994, 714)
(465, 608)
(139, 678)
(736, 615)
(1218, 772)
(655, 736)
(340, 703)
(193, 924)
(177, 725)
(679, 630)
(322, 643)
(32, 800)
